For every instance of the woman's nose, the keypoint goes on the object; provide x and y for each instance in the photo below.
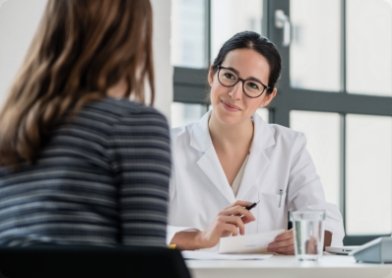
(236, 91)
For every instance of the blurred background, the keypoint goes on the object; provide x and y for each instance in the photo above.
(336, 85)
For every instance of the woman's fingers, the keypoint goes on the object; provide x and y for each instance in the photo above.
(235, 221)
(239, 210)
(241, 203)
(286, 235)
(229, 230)
(222, 227)
(229, 222)
(285, 250)
(283, 243)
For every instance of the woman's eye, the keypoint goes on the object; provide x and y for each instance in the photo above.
(253, 86)
(229, 75)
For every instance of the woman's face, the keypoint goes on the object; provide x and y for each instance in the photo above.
(230, 104)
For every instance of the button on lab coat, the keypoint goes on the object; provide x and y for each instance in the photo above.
(279, 172)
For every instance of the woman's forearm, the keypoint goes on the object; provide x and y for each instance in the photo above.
(189, 240)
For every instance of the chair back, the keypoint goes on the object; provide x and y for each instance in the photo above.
(76, 261)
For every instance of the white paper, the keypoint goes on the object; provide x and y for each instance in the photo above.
(210, 255)
(254, 243)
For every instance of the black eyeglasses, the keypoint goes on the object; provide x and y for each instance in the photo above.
(251, 88)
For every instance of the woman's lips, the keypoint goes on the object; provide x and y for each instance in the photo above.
(230, 107)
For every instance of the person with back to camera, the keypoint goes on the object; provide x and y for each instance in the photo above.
(80, 163)
(231, 158)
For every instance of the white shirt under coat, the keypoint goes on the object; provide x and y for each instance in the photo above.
(279, 172)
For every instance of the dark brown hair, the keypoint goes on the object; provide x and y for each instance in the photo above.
(81, 49)
(253, 40)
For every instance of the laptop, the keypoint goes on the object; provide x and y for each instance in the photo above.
(341, 250)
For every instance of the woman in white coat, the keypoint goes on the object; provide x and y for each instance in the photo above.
(231, 158)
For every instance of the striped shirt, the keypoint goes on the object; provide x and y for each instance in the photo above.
(101, 179)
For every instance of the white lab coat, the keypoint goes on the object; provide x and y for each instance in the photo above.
(279, 172)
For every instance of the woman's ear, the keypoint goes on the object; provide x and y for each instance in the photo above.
(211, 73)
(268, 98)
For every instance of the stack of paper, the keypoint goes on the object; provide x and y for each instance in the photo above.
(210, 255)
(254, 243)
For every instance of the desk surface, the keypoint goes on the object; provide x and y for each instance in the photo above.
(287, 266)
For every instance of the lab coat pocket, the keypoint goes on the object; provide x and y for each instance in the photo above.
(273, 211)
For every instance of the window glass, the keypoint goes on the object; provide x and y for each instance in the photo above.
(231, 16)
(189, 33)
(182, 114)
(322, 131)
(315, 46)
(369, 44)
(369, 179)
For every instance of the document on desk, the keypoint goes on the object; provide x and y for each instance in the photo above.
(254, 243)
(213, 255)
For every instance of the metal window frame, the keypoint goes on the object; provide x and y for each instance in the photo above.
(341, 102)
(190, 86)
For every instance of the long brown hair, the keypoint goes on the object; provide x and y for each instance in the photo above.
(81, 49)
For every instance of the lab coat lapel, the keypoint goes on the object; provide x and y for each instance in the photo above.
(208, 162)
(258, 159)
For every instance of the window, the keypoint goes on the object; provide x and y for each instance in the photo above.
(199, 29)
(336, 87)
(323, 134)
(315, 58)
(338, 91)
(369, 44)
(368, 174)
(189, 33)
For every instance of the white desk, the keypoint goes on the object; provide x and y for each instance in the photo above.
(287, 266)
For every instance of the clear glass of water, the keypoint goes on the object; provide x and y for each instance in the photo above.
(308, 234)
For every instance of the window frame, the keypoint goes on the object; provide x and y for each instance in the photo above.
(190, 86)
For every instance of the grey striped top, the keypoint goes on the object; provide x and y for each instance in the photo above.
(101, 179)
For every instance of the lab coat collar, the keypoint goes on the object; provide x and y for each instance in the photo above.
(200, 134)
(262, 139)
(259, 159)
(209, 163)
(208, 160)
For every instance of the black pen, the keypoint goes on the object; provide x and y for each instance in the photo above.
(252, 205)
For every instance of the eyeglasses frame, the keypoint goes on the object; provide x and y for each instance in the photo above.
(266, 88)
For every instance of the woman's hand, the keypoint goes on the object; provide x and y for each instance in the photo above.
(229, 222)
(283, 243)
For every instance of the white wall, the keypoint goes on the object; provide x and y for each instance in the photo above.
(19, 20)
(162, 58)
